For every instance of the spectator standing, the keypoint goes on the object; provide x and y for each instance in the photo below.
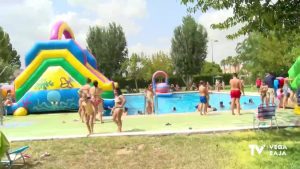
(258, 83)
(269, 81)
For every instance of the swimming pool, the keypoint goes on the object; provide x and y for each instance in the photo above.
(186, 102)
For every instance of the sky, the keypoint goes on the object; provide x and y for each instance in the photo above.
(148, 24)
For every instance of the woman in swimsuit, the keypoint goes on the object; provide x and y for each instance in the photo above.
(89, 112)
(118, 108)
(97, 101)
(149, 99)
(83, 90)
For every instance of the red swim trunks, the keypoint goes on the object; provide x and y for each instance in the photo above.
(236, 94)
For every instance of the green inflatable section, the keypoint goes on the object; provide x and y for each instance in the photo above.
(42, 68)
(294, 73)
(108, 95)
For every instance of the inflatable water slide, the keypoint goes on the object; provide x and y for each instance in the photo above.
(294, 74)
(55, 70)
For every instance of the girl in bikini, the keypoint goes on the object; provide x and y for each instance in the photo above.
(83, 90)
(89, 112)
(118, 108)
(97, 101)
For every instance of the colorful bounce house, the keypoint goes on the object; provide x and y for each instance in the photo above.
(161, 89)
(55, 70)
(294, 74)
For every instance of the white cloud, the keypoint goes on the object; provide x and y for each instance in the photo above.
(124, 12)
(161, 44)
(26, 22)
(31, 20)
(224, 47)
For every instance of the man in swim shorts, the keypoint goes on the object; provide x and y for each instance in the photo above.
(235, 93)
(203, 98)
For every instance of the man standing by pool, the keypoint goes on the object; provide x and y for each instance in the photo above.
(203, 98)
(235, 93)
(269, 81)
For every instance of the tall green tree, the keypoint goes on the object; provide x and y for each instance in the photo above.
(9, 58)
(261, 54)
(229, 61)
(188, 51)
(223, 64)
(134, 67)
(109, 46)
(264, 16)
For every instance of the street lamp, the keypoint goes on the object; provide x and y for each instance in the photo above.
(212, 49)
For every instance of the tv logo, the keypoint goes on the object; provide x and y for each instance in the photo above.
(258, 149)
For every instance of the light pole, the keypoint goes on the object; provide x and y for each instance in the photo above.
(212, 49)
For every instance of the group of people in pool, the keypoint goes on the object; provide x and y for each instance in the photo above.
(91, 105)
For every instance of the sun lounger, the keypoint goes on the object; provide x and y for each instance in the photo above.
(12, 157)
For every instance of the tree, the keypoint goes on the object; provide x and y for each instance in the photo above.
(211, 69)
(223, 63)
(158, 61)
(109, 46)
(188, 50)
(236, 63)
(264, 16)
(9, 58)
(261, 54)
(229, 61)
(134, 68)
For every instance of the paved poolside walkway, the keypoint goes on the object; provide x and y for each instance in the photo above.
(67, 125)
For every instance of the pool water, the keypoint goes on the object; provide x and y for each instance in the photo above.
(186, 102)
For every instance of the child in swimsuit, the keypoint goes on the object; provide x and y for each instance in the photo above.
(8, 101)
(118, 108)
(280, 94)
(89, 113)
(80, 109)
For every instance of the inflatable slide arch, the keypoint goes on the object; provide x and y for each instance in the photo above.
(55, 70)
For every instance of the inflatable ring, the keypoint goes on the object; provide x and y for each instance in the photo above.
(59, 29)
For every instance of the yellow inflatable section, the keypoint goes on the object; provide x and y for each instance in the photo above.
(51, 81)
(21, 111)
(61, 53)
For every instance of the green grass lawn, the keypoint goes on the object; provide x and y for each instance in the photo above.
(68, 124)
(209, 151)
